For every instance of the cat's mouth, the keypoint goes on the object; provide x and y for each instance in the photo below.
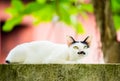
(81, 52)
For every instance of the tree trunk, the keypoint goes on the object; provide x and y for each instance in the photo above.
(110, 45)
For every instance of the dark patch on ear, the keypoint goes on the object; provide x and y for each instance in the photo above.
(70, 40)
(86, 39)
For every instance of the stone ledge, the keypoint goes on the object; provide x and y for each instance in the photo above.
(60, 72)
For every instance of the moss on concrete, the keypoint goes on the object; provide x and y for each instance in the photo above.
(56, 72)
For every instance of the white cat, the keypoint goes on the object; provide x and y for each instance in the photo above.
(44, 52)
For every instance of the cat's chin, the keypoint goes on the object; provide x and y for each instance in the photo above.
(81, 57)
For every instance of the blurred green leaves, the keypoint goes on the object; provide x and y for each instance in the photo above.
(45, 14)
(16, 13)
(45, 10)
(41, 1)
(11, 23)
(32, 7)
(16, 7)
(116, 13)
(116, 19)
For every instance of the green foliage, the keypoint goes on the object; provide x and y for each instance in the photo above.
(86, 7)
(11, 23)
(116, 13)
(17, 8)
(32, 7)
(42, 15)
(41, 1)
(115, 6)
(79, 28)
(17, 5)
(116, 19)
(45, 10)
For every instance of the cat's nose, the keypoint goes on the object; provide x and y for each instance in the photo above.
(81, 52)
(7, 61)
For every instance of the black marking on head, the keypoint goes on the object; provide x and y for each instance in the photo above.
(84, 42)
(7, 61)
(75, 42)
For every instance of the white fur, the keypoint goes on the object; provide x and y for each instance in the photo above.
(43, 52)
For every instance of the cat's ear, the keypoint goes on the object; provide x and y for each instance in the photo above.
(70, 40)
(88, 40)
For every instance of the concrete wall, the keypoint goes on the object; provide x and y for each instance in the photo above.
(75, 72)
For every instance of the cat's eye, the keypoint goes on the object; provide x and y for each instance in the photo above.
(75, 47)
(85, 47)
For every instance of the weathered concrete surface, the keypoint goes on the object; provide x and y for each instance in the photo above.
(55, 72)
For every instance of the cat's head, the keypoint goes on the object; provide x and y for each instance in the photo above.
(78, 49)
